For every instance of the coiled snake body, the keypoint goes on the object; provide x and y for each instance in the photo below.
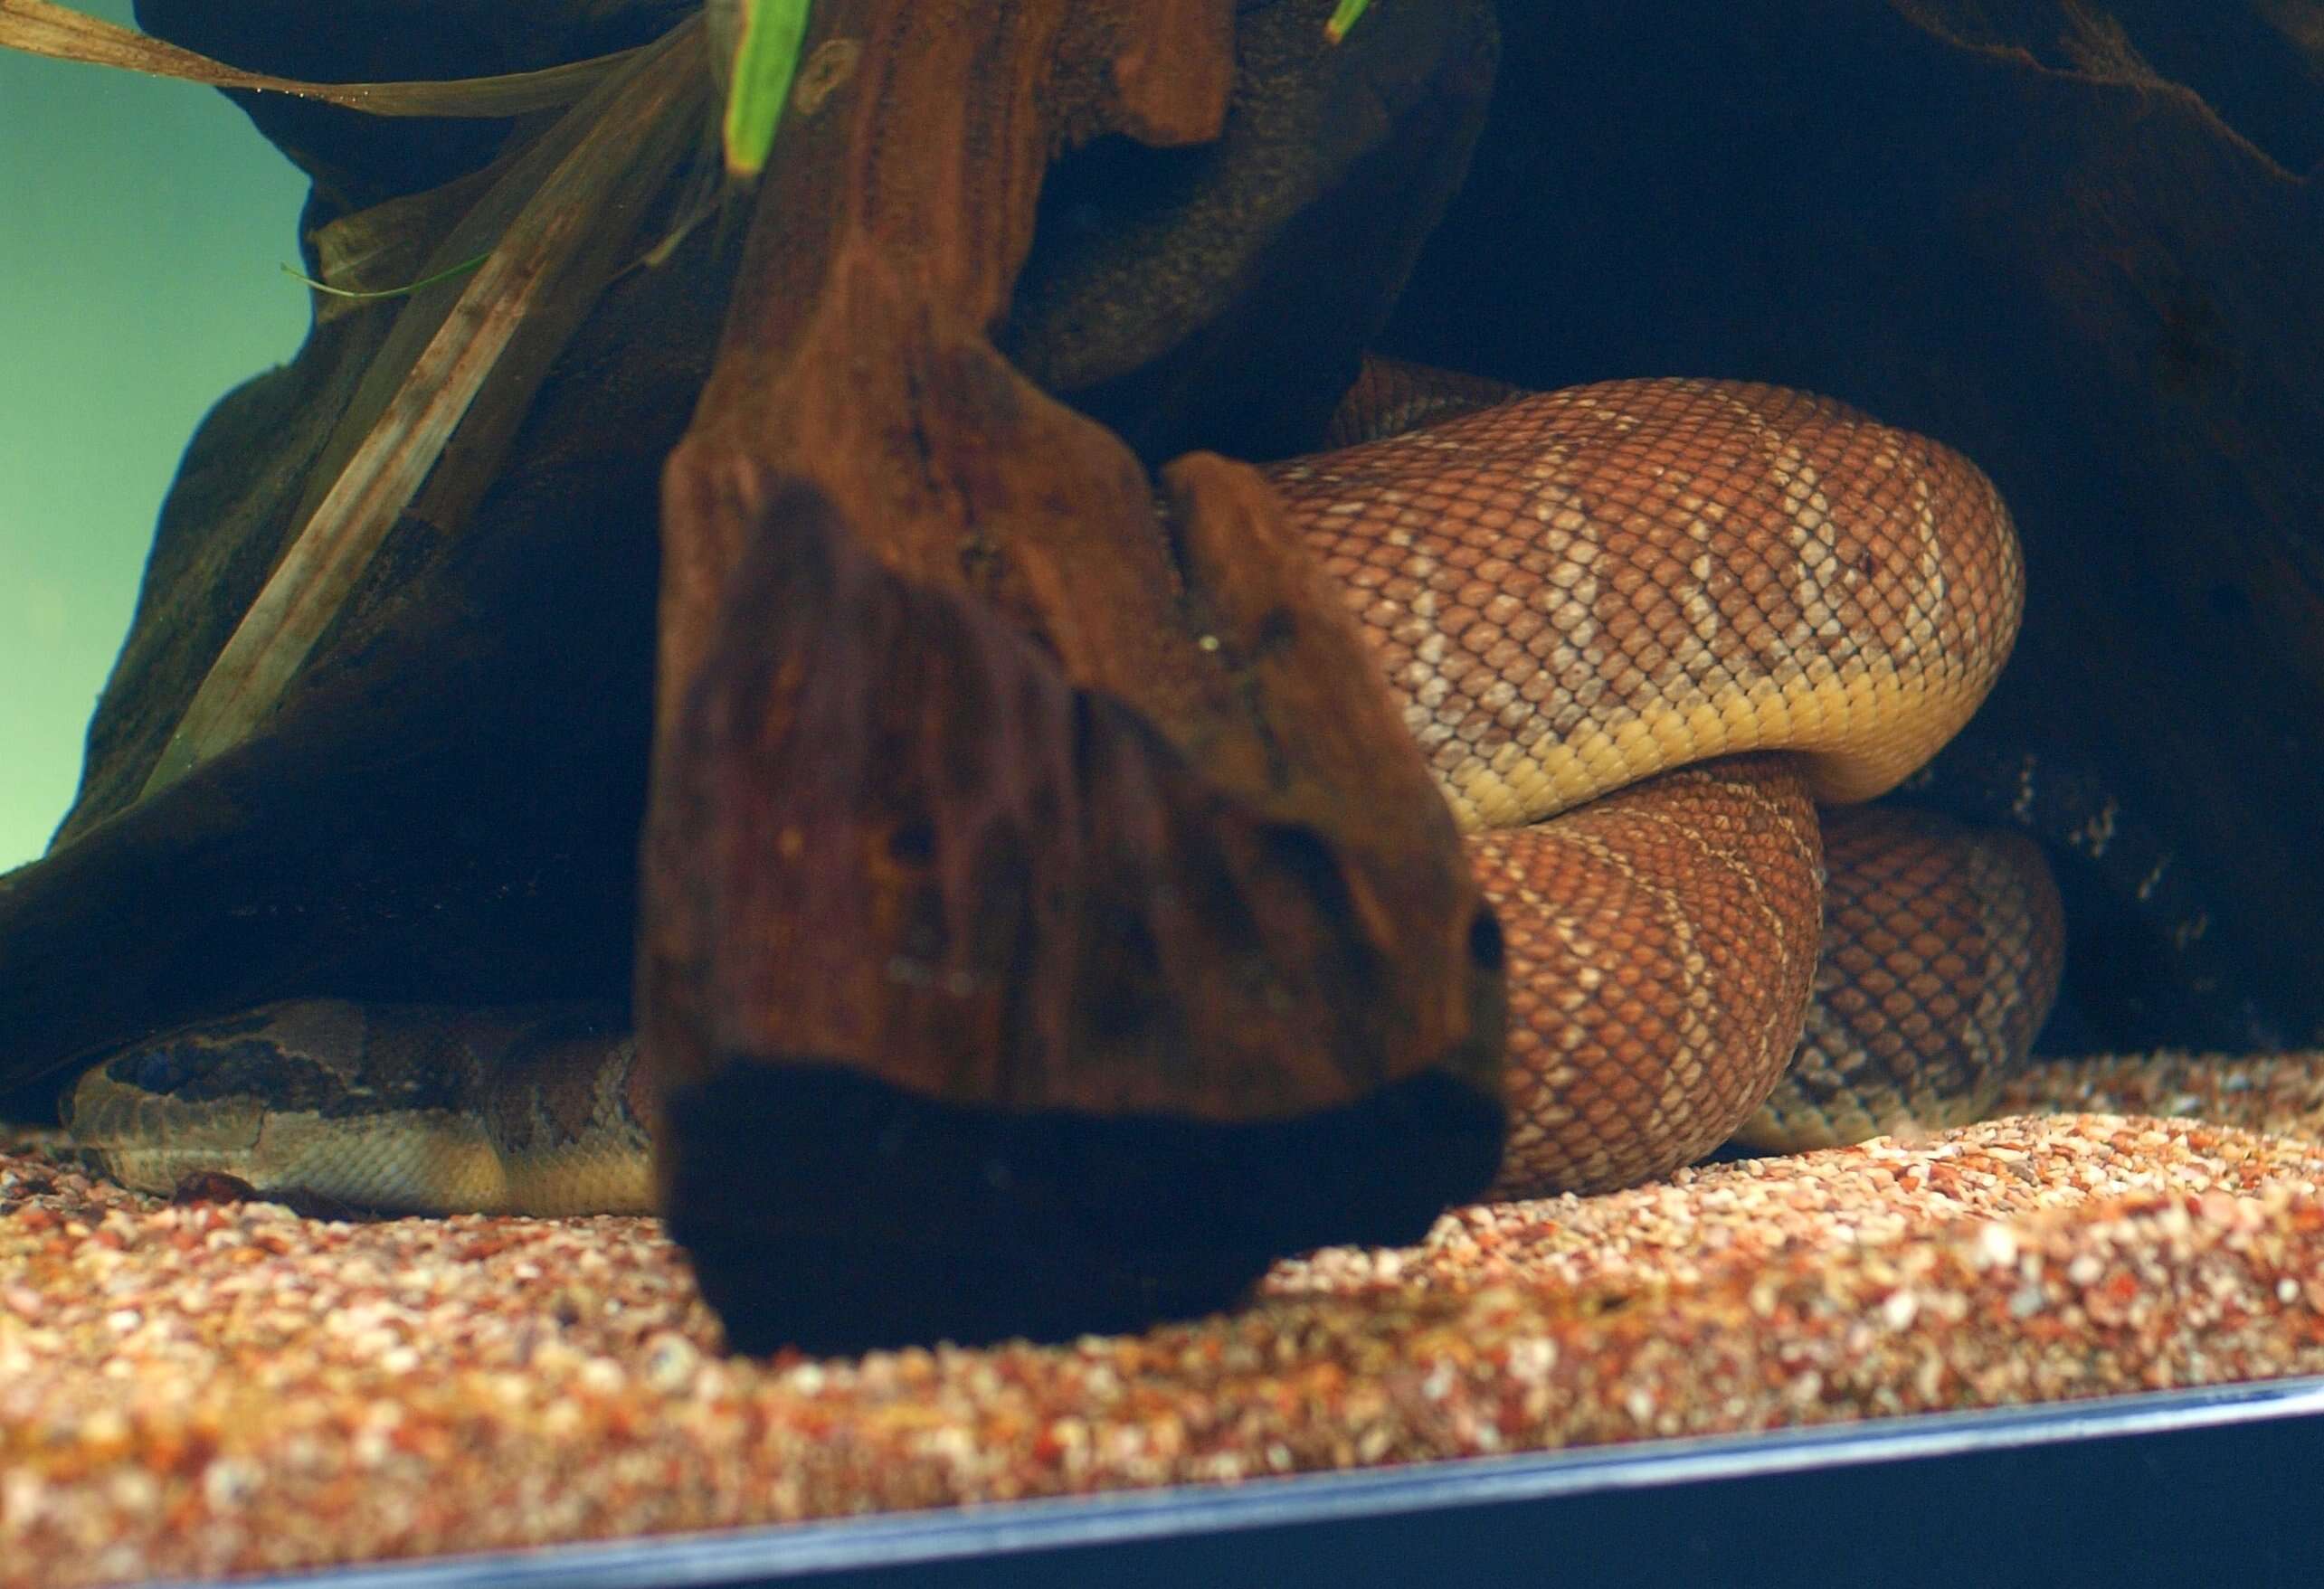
(1638, 629)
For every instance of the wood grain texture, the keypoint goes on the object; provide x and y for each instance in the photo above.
(995, 808)
(856, 362)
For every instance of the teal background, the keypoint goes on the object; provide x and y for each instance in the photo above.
(142, 226)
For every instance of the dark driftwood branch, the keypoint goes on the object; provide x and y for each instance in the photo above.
(987, 801)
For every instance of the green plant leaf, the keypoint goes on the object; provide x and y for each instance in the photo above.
(765, 56)
(1344, 19)
(403, 238)
(406, 290)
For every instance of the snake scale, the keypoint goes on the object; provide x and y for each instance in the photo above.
(1639, 630)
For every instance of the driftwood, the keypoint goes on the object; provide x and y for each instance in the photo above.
(1040, 856)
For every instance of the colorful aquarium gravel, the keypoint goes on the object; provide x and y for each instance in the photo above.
(216, 1388)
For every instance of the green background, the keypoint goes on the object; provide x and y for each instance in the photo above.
(142, 222)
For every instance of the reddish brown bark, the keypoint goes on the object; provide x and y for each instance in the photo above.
(976, 776)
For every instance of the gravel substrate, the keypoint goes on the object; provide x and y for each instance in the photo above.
(217, 1388)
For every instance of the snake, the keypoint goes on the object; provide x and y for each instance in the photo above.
(1642, 631)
